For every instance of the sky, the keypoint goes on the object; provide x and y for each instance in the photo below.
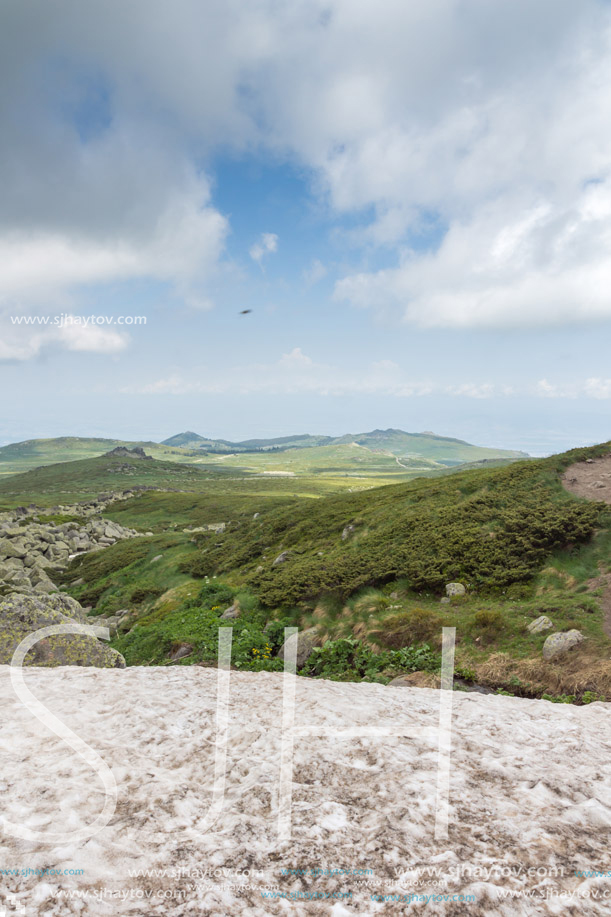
(413, 200)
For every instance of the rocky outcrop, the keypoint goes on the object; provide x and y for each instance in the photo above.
(123, 452)
(30, 551)
(22, 615)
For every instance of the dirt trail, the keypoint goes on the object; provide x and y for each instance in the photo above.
(592, 480)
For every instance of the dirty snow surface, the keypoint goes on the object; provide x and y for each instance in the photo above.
(529, 800)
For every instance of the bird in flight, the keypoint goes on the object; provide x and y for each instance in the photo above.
(245, 311)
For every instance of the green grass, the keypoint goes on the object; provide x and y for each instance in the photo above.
(123, 575)
(342, 459)
(71, 482)
(159, 511)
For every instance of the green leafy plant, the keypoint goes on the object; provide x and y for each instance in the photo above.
(349, 660)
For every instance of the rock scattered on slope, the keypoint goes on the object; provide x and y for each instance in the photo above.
(540, 624)
(557, 644)
(306, 640)
(234, 611)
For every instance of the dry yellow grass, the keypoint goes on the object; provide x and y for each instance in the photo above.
(574, 673)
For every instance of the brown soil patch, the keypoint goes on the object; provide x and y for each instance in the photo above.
(590, 479)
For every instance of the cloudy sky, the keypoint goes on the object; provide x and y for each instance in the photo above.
(413, 198)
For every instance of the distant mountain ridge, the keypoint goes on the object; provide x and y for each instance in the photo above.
(392, 446)
(446, 450)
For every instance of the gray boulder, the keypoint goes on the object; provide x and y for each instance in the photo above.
(541, 624)
(280, 559)
(306, 641)
(558, 644)
(12, 548)
(234, 611)
(21, 615)
(181, 652)
(455, 589)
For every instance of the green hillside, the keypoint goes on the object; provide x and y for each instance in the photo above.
(490, 528)
(191, 440)
(35, 452)
(368, 571)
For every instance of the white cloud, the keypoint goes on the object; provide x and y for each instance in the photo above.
(589, 388)
(471, 390)
(598, 388)
(90, 338)
(185, 241)
(25, 342)
(314, 273)
(509, 265)
(489, 121)
(267, 245)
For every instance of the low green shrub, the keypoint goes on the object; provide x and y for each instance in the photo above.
(349, 660)
(144, 592)
(419, 625)
(489, 619)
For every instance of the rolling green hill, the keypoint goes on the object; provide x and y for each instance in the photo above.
(441, 449)
(67, 482)
(33, 453)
